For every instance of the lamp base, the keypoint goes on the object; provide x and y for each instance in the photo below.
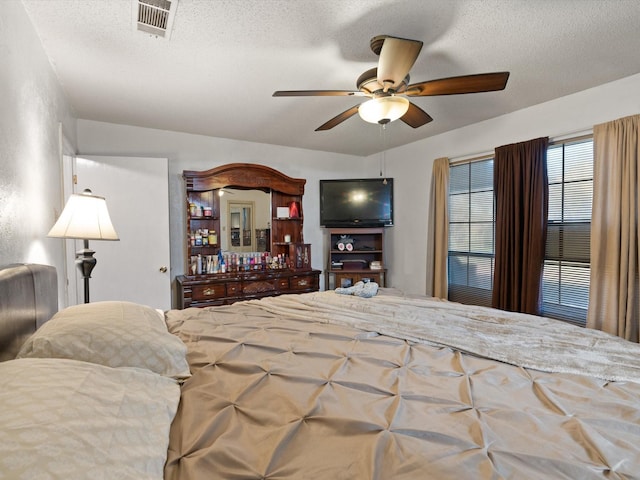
(85, 262)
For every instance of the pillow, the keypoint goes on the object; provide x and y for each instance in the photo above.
(115, 334)
(64, 419)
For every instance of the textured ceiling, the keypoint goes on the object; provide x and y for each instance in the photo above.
(216, 74)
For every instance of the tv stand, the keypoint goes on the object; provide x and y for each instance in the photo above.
(351, 262)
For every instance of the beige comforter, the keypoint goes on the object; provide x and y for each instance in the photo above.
(303, 387)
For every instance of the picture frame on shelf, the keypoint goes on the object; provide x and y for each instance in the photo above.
(282, 212)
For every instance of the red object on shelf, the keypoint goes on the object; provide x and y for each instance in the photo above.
(294, 210)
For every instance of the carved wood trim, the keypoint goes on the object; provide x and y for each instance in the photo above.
(247, 175)
(258, 287)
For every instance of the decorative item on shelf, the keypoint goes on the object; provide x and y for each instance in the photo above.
(194, 265)
(193, 209)
(279, 262)
(345, 243)
(282, 212)
(207, 211)
(222, 263)
(287, 239)
(303, 257)
(375, 265)
(294, 210)
(299, 256)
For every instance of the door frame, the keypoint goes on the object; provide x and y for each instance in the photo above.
(251, 205)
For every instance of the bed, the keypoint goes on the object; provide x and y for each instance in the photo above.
(324, 385)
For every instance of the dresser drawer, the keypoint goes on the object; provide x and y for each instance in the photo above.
(302, 282)
(230, 287)
(258, 287)
(206, 292)
(233, 289)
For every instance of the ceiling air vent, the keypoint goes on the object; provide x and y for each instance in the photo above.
(155, 16)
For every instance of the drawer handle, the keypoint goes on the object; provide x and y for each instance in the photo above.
(208, 291)
(302, 283)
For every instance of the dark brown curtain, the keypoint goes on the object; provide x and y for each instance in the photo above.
(521, 191)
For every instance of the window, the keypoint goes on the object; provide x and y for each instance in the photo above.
(565, 285)
(471, 232)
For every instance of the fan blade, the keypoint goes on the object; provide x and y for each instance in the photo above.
(415, 116)
(338, 119)
(482, 82)
(317, 93)
(396, 59)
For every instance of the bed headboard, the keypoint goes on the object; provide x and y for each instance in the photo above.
(28, 298)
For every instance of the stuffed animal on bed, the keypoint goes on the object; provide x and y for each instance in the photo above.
(360, 289)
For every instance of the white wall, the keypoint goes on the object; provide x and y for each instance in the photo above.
(411, 165)
(197, 152)
(33, 110)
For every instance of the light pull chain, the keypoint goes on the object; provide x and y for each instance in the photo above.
(383, 133)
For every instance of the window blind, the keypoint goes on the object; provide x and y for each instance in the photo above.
(565, 284)
(471, 232)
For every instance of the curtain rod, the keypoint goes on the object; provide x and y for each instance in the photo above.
(573, 136)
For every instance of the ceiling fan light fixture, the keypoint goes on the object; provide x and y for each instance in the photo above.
(383, 109)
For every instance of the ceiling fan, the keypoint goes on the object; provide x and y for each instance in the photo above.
(387, 86)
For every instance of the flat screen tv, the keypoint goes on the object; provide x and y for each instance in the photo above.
(365, 202)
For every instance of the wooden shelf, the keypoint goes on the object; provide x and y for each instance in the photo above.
(354, 252)
(356, 270)
(368, 247)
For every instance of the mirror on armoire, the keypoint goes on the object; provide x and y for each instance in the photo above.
(245, 220)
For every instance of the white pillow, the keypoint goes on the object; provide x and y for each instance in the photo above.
(64, 419)
(115, 334)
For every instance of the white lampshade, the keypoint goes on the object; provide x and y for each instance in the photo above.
(383, 109)
(85, 216)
